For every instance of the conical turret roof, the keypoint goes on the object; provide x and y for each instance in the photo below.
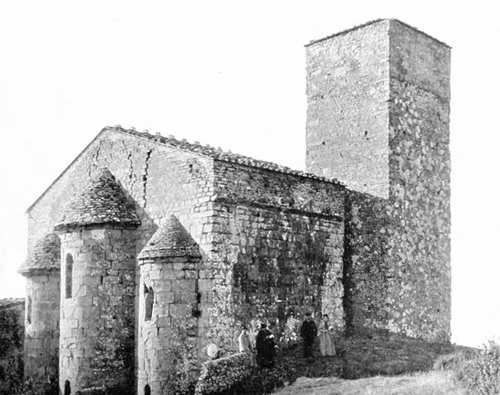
(102, 202)
(170, 240)
(46, 254)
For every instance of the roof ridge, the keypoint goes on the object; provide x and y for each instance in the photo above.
(216, 153)
(221, 155)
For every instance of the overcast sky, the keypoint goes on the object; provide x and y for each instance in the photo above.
(232, 74)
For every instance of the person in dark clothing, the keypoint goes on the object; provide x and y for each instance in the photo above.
(308, 332)
(266, 347)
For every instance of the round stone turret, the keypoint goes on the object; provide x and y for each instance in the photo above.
(41, 341)
(168, 307)
(98, 249)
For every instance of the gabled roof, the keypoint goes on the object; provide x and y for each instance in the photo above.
(195, 148)
(102, 202)
(223, 156)
(46, 254)
(170, 240)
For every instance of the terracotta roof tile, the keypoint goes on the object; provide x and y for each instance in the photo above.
(102, 202)
(170, 240)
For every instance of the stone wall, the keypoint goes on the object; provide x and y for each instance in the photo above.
(140, 165)
(97, 308)
(168, 344)
(41, 344)
(279, 231)
(277, 246)
(397, 248)
(347, 117)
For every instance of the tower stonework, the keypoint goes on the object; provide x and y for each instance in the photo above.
(98, 250)
(378, 120)
(41, 324)
(169, 301)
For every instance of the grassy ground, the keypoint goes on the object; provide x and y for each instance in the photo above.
(366, 356)
(430, 383)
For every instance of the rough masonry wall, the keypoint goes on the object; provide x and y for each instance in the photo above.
(168, 347)
(397, 248)
(420, 183)
(279, 240)
(347, 92)
(41, 343)
(97, 316)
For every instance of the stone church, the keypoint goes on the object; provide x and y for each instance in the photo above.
(147, 248)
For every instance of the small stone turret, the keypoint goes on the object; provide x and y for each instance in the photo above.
(41, 342)
(168, 307)
(98, 242)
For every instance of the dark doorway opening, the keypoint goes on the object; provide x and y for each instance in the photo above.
(147, 390)
(67, 388)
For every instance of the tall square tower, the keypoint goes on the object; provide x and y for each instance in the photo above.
(378, 120)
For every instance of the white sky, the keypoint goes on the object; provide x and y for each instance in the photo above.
(232, 73)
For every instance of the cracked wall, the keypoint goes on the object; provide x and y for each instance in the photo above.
(140, 167)
(286, 229)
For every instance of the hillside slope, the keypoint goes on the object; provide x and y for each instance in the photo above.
(430, 383)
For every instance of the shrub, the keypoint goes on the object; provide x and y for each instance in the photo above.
(454, 360)
(11, 352)
(479, 372)
(220, 375)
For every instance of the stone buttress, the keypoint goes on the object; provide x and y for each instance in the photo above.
(98, 242)
(168, 309)
(41, 342)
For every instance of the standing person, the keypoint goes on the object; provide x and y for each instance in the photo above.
(326, 345)
(291, 329)
(261, 344)
(244, 340)
(272, 347)
(266, 347)
(308, 332)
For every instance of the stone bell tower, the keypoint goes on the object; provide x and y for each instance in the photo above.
(98, 242)
(378, 111)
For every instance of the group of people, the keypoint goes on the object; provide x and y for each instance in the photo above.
(266, 346)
